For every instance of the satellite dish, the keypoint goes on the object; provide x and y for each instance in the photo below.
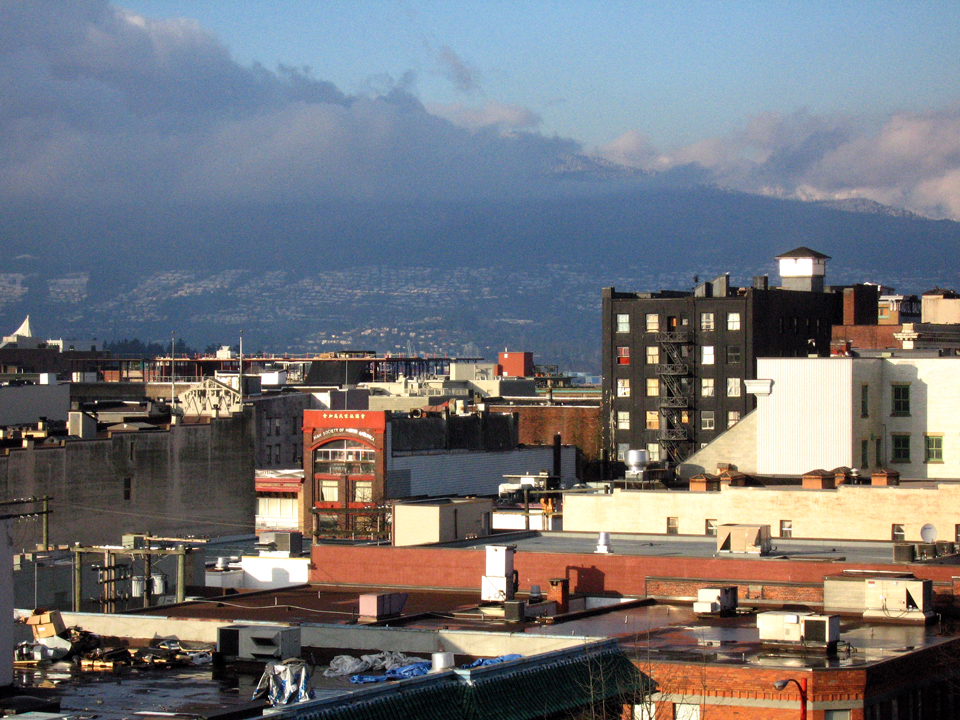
(929, 533)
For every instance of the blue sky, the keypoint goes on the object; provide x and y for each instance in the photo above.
(674, 72)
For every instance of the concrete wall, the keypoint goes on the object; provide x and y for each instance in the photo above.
(738, 446)
(470, 473)
(195, 479)
(24, 404)
(851, 512)
(6, 603)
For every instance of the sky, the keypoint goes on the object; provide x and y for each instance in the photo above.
(180, 100)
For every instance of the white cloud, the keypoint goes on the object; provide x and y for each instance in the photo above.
(490, 114)
(909, 160)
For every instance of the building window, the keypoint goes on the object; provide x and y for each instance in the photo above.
(706, 355)
(864, 453)
(653, 322)
(276, 426)
(330, 490)
(710, 527)
(956, 533)
(733, 417)
(653, 420)
(653, 452)
(733, 354)
(653, 387)
(623, 419)
(864, 401)
(896, 533)
(706, 420)
(733, 321)
(623, 323)
(623, 355)
(363, 491)
(673, 526)
(878, 452)
(623, 387)
(344, 457)
(733, 387)
(707, 387)
(901, 400)
(269, 426)
(622, 450)
(786, 528)
(900, 448)
(706, 321)
(653, 354)
(127, 488)
(933, 448)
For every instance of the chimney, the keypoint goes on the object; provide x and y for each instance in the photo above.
(560, 594)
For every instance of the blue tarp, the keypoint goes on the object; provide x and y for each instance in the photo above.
(490, 661)
(397, 673)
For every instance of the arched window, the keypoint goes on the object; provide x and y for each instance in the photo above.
(343, 457)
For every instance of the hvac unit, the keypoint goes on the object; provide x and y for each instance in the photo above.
(288, 543)
(904, 599)
(820, 630)
(514, 611)
(721, 600)
(780, 627)
(258, 642)
(903, 552)
(500, 582)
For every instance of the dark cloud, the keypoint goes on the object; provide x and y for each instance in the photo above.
(99, 105)
(463, 77)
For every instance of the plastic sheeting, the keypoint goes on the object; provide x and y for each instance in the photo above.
(284, 683)
(398, 673)
(344, 665)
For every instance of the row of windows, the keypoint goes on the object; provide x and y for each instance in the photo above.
(899, 399)
(652, 322)
(707, 354)
(897, 533)
(652, 419)
(708, 387)
(900, 448)
(361, 490)
(344, 457)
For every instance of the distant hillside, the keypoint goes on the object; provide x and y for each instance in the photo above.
(525, 274)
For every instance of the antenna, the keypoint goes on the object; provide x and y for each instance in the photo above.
(929, 533)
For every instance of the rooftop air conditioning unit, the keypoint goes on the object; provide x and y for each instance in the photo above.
(268, 642)
(820, 630)
(721, 600)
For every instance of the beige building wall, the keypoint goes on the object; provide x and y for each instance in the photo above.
(851, 512)
(420, 523)
(936, 309)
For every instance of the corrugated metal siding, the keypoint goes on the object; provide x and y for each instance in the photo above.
(476, 473)
(805, 422)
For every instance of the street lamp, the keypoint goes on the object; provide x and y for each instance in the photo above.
(802, 686)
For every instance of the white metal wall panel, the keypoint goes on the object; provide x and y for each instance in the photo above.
(805, 422)
(478, 473)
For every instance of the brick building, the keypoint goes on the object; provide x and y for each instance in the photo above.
(675, 362)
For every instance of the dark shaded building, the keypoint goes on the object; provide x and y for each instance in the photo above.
(675, 362)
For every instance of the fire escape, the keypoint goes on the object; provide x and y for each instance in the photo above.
(675, 400)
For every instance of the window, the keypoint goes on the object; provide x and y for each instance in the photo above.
(622, 450)
(733, 321)
(653, 322)
(623, 419)
(623, 323)
(706, 321)
(653, 420)
(623, 387)
(900, 448)
(706, 355)
(269, 426)
(786, 528)
(344, 457)
(956, 533)
(933, 448)
(673, 526)
(706, 387)
(363, 491)
(330, 490)
(276, 426)
(127, 488)
(896, 533)
(864, 453)
(653, 452)
(623, 355)
(132, 445)
(864, 401)
(901, 400)
(733, 354)
(878, 453)
(653, 387)
(733, 387)
(706, 420)
(710, 527)
(733, 417)
(276, 454)
(653, 354)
